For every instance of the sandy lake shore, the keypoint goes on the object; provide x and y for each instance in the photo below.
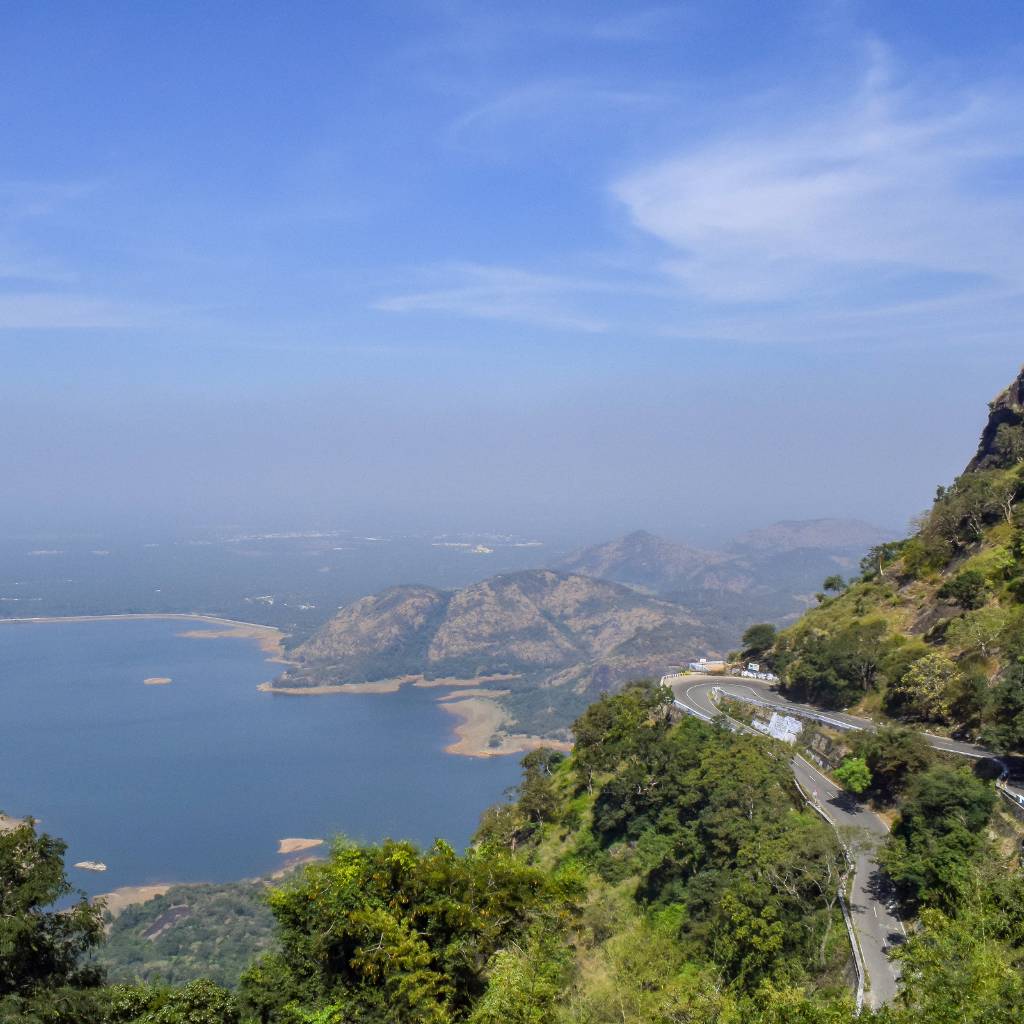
(381, 685)
(119, 900)
(480, 730)
(481, 724)
(297, 845)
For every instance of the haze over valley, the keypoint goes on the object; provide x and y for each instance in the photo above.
(512, 514)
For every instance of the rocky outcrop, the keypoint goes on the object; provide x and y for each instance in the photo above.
(542, 628)
(384, 635)
(1006, 410)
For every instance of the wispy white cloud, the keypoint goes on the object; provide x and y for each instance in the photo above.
(892, 192)
(63, 310)
(503, 293)
(565, 104)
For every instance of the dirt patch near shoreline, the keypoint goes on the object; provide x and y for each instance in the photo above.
(385, 685)
(267, 637)
(480, 732)
(427, 684)
(296, 845)
(461, 694)
(378, 686)
(119, 900)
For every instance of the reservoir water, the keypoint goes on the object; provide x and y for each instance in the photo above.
(197, 780)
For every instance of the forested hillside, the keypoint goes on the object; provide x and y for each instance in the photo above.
(932, 629)
(662, 872)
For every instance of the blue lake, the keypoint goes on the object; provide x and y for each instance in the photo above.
(199, 779)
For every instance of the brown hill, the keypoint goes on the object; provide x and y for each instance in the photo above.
(562, 639)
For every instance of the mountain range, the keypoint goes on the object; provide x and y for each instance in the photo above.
(554, 639)
(770, 575)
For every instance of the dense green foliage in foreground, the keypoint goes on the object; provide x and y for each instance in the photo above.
(662, 873)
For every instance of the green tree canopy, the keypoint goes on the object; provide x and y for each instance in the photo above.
(854, 774)
(939, 832)
(41, 948)
(927, 690)
(894, 755)
(758, 638)
(968, 588)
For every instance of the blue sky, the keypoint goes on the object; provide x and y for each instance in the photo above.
(564, 267)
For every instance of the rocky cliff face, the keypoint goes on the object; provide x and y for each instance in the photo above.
(1006, 413)
(386, 633)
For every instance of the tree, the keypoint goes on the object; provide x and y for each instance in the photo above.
(975, 500)
(198, 1002)
(854, 774)
(1005, 492)
(957, 968)
(880, 556)
(837, 669)
(939, 833)
(758, 638)
(42, 948)
(392, 933)
(1009, 443)
(979, 632)
(835, 584)
(893, 755)
(524, 983)
(967, 588)
(537, 798)
(1004, 714)
(619, 727)
(927, 690)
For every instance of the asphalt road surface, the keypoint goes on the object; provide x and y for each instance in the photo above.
(872, 901)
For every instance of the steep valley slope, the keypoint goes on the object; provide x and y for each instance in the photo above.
(932, 630)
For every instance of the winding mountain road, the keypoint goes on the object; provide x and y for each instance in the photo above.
(872, 907)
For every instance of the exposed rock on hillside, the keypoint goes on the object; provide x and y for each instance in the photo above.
(1006, 410)
(563, 638)
(387, 633)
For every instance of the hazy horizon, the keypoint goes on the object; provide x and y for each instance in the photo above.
(436, 267)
